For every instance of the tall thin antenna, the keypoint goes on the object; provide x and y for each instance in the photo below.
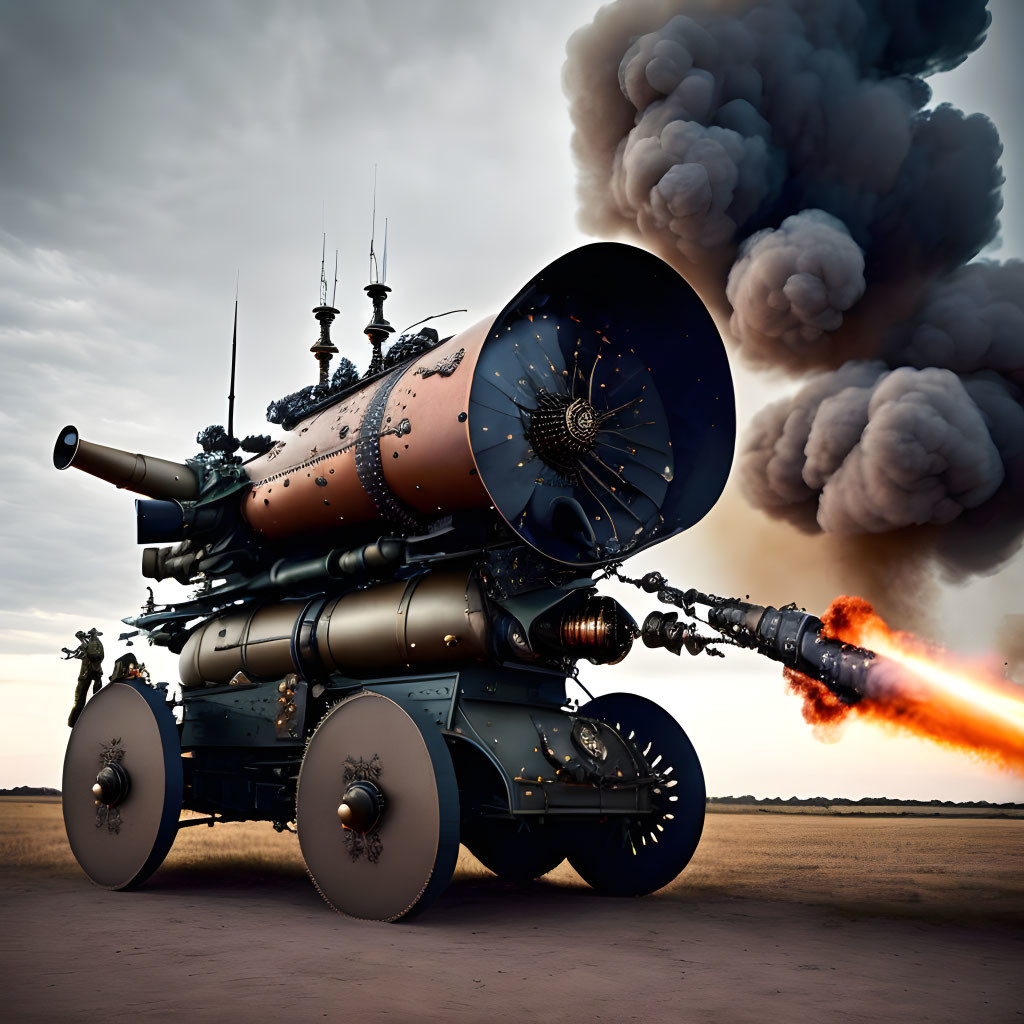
(378, 330)
(323, 277)
(373, 231)
(384, 271)
(234, 350)
(334, 292)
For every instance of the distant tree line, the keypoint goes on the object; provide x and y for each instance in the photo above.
(866, 801)
(793, 801)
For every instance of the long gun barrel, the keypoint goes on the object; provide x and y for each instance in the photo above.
(795, 638)
(788, 635)
(156, 478)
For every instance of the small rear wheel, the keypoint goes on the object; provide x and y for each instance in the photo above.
(636, 856)
(516, 852)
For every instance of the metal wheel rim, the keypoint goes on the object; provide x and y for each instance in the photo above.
(418, 836)
(120, 848)
(625, 859)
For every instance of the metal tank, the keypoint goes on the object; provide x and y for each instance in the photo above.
(392, 597)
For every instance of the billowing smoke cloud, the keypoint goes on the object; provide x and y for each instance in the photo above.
(789, 286)
(939, 440)
(971, 320)
(867, 449)
(700, 123)
(780, 154)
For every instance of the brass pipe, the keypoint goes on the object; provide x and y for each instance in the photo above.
(156, 478)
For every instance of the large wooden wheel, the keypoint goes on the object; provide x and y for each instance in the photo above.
(122, 785)
(377, 810)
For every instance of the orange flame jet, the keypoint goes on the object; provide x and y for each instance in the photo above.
(920, 689)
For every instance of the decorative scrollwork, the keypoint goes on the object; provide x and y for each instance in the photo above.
(445, 367)
(109, 816)
(359, 769)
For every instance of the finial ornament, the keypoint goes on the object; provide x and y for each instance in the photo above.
(324, 349)
(378, 329)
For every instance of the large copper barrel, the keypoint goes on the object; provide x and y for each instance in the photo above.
(398, 448)
(595, 412)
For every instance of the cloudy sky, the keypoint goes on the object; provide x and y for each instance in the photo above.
(151, 152)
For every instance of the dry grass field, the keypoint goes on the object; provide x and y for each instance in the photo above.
(797, 918)
(955, 869)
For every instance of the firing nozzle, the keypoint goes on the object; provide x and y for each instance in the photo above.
(796, 639)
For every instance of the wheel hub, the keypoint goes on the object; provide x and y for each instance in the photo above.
(112, 784)
(361, 807)
(123, 795)
(407, 857)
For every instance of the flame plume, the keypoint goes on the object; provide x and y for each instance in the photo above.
(919, 688)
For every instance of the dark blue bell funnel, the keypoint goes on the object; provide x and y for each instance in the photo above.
(602, 415)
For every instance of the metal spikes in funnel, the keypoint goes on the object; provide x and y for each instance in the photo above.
(596, 434)
(584, 430)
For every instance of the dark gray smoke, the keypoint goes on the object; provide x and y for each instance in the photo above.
(780, 154)
(971, 320)
(937, 440)
(701, 123)
(866, 449)
(790, 286)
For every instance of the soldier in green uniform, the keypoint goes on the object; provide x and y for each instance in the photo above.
(90, 653)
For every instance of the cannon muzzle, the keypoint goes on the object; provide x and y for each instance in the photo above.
(156, 478)
(794, 638)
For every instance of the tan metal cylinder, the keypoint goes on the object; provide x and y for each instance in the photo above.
(431, 620)
(258, 644)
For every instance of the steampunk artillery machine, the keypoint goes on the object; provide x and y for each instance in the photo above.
(392, 598)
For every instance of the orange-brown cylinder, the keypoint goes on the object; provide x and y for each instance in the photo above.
(313, 480)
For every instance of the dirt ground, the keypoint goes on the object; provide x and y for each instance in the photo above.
(778, 917)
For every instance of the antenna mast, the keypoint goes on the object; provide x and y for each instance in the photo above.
(323, 278)
(373, 231)
(234, 351)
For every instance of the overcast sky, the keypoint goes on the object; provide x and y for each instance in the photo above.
(149, 152)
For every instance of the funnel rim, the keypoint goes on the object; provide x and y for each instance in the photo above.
(629, 276)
